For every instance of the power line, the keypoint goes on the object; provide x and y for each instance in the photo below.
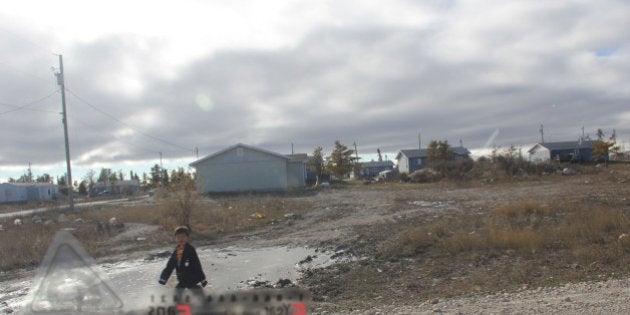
(127, 125)
(25, 106)
(118, 138)
(20, 37)
(23, 72)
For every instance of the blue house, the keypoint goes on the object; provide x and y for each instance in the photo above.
(566, 151)
(415, 159)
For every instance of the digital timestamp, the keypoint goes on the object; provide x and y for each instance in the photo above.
(291, 301)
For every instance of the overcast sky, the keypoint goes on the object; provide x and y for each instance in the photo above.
(173, 77)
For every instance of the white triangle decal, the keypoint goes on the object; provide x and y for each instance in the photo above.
(68, 282)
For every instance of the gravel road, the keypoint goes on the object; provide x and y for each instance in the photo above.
(602, 297)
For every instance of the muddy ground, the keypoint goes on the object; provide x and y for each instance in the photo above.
(358, 221)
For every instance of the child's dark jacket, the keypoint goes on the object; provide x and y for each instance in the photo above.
(189, 271)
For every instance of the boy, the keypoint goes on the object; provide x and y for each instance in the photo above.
(186, 263)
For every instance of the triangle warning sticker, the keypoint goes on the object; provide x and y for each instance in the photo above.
(68, 282)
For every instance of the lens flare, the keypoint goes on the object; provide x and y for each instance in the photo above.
(204, 102)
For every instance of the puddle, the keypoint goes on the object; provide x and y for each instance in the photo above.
(431, 204)
(227, 269)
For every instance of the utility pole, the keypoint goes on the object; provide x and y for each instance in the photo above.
(160, 162)
(542, 134)
(60, 82)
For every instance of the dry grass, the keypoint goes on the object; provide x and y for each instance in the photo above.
(527, 228)
(26, 244)
(550, 237)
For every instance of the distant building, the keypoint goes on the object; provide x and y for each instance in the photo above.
(245, 168)
(415, 159)
(117, 187)
(19, 192)
(566, 151)
(373, 168)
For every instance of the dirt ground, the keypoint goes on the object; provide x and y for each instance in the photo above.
(356, 221)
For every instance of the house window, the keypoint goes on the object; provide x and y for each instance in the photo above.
(239, 151)
(419, 162)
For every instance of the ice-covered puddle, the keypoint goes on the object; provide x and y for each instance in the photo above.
(227, 269)
(431, 204)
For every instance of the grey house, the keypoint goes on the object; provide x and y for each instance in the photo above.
(415, 159)
(118, 187)
(246, 168)
(566, 151)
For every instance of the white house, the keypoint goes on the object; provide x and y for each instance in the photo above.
(246, 168)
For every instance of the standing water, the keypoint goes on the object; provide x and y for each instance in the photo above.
(227, 269)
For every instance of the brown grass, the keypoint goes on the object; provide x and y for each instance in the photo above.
(523, 243)
(26, 244)
(526, 231)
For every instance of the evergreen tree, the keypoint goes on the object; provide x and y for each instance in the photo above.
(156, 176)
(43, 178)
(439, 151)
(317, 161)
(105, 175)
(341, 161)
(83, 188)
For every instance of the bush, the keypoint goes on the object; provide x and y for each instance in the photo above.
(425, 175)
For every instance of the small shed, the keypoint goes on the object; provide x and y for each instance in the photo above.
(246, 168)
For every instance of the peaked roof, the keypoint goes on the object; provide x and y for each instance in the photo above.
(376, 163)
(30, 184)
(298, 157)
(239, 145)
(420, 153)
(565, 145)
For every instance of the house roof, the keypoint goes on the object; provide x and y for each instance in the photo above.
(412, 153)
(211, 156)
(29, 184)
(124, 182)
(420, 153)
(298, 157)
(565, 145)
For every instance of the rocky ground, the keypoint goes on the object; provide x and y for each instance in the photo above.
(354, 222)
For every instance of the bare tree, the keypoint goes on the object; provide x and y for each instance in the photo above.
(181, 196)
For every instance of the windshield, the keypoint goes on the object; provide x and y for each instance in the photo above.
(395, 157)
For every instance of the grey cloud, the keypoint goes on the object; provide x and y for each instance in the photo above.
(377, 85)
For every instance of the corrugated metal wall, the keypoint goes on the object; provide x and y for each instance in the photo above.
(296, 174)
(242, 169)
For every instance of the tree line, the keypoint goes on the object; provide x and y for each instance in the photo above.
(158, 177)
